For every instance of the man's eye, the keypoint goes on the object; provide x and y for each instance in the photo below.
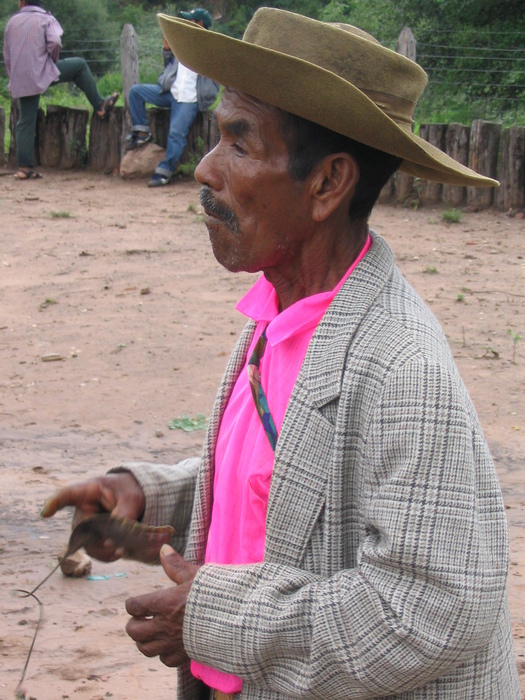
(239, 149)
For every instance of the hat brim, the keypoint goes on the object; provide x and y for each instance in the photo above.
(288, 82)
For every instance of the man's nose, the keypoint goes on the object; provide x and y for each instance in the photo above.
(206, 173)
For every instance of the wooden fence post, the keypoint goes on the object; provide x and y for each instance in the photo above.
(457, 147)
(402, 186)
(129, 61)
(510, 195)
(483, 158)
(431, 192)
(61, 137)
(406, 44)
(2, 136)
(13, 118)
(104, 142)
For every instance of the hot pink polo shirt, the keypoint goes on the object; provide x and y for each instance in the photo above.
(244, 458)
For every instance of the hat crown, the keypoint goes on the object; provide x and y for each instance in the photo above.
(392, 81)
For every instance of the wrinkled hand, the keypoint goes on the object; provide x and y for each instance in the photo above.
(119, 494)
(158, 618)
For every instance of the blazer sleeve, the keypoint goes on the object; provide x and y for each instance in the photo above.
(429, 582)
(169, 491)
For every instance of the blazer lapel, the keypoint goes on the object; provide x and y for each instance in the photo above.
(303, 458)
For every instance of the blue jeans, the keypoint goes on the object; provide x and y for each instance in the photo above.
(182, 116)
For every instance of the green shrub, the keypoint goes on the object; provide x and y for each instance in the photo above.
(452, 216)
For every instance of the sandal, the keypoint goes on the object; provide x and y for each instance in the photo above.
(108, 105)
(28, 175)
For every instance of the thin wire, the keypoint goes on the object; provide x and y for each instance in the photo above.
(31, 594)
(39, 624)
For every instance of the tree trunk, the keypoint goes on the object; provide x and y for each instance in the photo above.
(510, 195)
(483, 158)
(457, 147)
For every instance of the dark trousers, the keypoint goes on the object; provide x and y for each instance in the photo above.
(72, 70)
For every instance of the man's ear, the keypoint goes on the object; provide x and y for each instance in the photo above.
(333, 182)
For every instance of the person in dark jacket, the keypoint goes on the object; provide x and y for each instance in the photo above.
(182, 91)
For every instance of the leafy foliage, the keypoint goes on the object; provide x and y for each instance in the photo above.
(473, 52)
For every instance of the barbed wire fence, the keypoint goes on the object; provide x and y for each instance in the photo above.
(487, 76)
(482, 79)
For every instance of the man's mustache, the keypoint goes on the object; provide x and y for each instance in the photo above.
(219, 209)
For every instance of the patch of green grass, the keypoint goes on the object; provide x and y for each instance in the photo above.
(431, 270)
(452, 216)
(48, 301)
(60, 215)
(516, 337)
(188, 424)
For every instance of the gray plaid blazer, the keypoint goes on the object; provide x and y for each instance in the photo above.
(386, 550)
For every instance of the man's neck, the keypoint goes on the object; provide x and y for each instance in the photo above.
(320, 267)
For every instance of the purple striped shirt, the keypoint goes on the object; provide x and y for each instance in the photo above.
(31, 46)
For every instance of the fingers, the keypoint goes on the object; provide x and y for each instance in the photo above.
(157, 622)
(142, 606)
(89, 497)
(178, 569)
(119, 494)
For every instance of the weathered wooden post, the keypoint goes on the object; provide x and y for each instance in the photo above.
(129, 61)
(510, 195)
(13, 118)
(61, 137)
(431, 192)
(104, 141)
(406, 46)
(483, 158)
(457, 147)
(2, 136)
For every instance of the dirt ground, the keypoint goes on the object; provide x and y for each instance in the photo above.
(115, 319)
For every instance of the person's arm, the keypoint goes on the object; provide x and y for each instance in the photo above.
(430, 577)
(53, 32)
(169, 491)
(167, 53)
(154, 493)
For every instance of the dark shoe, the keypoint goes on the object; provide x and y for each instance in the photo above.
(136, 139)
(108, 105)
(159, 180)
(27, 175)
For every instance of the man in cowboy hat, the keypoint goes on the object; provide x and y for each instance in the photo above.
(343, 533)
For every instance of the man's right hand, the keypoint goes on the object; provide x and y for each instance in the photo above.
(119, 494)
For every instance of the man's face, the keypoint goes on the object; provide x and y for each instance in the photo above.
(257, 216)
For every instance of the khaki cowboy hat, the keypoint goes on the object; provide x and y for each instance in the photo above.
(332, 74)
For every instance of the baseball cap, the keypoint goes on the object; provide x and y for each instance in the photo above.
(199, 14)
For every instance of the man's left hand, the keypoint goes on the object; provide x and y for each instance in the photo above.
(157, 618)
